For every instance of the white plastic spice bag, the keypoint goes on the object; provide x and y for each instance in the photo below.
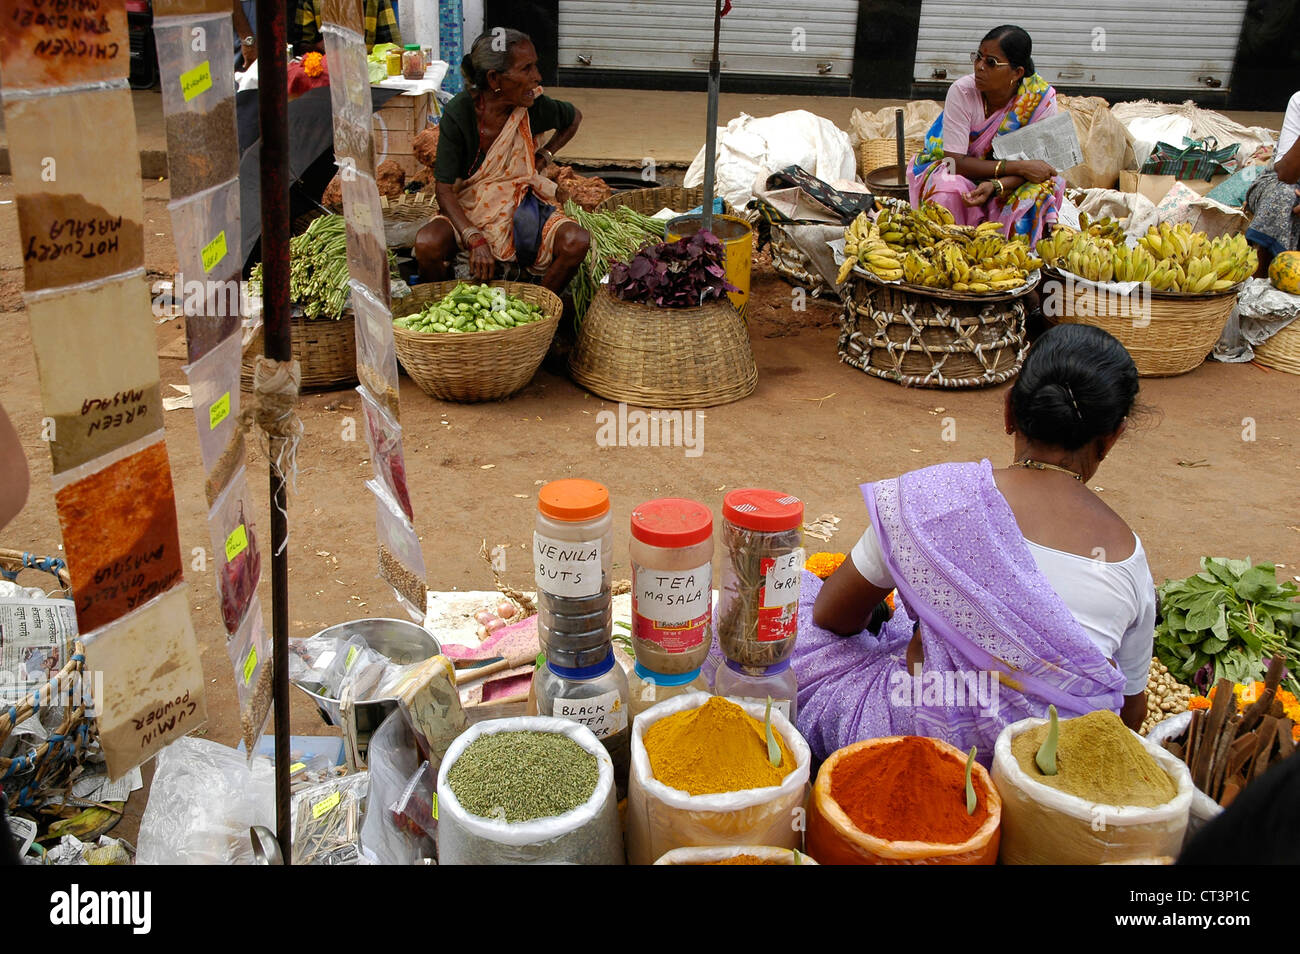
(401, 562)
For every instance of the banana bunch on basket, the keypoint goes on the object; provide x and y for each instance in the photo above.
(1168, 258)
(1105, 227)
(926, 247)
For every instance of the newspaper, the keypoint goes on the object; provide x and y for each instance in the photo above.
(1052, 140)
(34, 636)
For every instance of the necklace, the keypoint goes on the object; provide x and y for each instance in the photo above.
(1039, 465)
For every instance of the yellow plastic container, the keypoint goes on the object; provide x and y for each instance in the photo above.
(736, 237)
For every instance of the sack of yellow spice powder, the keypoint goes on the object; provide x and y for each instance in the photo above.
(661, 818)
(736, 855)
(1044, 825)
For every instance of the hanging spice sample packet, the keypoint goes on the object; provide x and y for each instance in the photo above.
(350, 98)
(79, 209)
(237, 557)
(401, 561)
(367, 244)
(205, 227)
(196, 69)
(385, 438)
(376, 349)
(118, 516)
(250, 656)
(214, 387)
(152, 680)
(93, 405)
(45, 45)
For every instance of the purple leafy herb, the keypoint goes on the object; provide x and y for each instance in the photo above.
(681, 274)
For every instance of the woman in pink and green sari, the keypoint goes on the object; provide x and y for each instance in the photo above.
(956, 168)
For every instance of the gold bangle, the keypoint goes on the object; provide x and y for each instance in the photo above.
(997, 169)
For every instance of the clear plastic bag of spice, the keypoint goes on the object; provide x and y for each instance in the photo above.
(367, 245)
(376, 350)
(327, 821)
(250, 657)
(385, 438)
(235, 552)
(349, 75)
(214, 387)
(196, 70)
(401, 562)
(206, 230)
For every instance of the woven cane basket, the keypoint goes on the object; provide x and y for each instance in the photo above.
(792, 264)
(1282, 351)
(30, 774)
(1179, 336)
(405, 215)
(325, 349)
(874, 153)
(479, 365)
(664, 357)
(650, 201)
(920, 341)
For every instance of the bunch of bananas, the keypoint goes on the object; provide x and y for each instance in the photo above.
(1105, 227)
(926, 247)
(1168, 258)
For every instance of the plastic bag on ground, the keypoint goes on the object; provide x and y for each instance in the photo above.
(392, 760)
(1045, 826)
(588, 835)
(662, 818)
(327, 821)
(203, 799)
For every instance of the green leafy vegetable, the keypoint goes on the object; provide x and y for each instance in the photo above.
(1226, 621)
(616, 235)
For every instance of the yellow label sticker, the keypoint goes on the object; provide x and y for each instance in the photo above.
(214, 251)
(196, 81)
(435, 806)
(297, 767)
(236, 543)
(250, 665)
(326, 804)
(218, 411)
(352, 657)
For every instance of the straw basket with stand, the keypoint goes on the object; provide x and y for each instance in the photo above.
(1282, 351)
(874, 153)
(933, 338)
(664, 357)
(477, 366)
(1167, 333)
(405, 215)
(46, 767)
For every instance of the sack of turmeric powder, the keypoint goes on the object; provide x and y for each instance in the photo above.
(736, 855)
(1044, 825)
(661, 818)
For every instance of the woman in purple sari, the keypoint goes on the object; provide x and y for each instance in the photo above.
(956, 168)
(1017, 587)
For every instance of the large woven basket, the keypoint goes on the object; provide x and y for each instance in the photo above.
(650, 201)
(325, 349)
(792, 264)
(874, 153)
(405, 216)
(30, 776)
(921, 341)
(1282, 351)
(1167, 334)
(480, 365)
(674, 358)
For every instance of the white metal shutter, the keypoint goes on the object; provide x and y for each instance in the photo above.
(1141, 44)
(774, 37)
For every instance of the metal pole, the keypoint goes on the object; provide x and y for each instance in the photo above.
(273, 102)
(711, 135)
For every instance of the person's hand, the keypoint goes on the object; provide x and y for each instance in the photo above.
(980, 195)
(481, 262)
(1035, 170)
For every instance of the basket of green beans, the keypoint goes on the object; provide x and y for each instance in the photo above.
(468, 343)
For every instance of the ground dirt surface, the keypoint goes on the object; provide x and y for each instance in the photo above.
(1185, 478)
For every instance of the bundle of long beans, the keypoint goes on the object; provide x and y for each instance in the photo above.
(318, 269)
(616, 236)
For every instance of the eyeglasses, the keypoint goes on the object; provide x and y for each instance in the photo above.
(989, 61)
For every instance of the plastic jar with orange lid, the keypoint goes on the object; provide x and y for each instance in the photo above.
(672, 585)
(573, 546)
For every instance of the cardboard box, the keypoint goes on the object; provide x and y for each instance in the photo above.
(1156, 187)
(409, 113)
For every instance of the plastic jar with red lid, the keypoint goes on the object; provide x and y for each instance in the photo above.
(672, 585)
(762, 562)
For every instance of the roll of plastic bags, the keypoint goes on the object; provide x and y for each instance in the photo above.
(661, 818)
(588, 835)
(1044, 826)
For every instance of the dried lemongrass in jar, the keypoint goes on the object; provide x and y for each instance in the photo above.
(758, 597)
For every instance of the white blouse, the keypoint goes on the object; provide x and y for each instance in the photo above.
(1115, 603)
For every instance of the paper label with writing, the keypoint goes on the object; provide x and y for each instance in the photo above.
(672, 608)
(604, 715)
(250, 665)
(778, 598)
(197, 81)
(236, 543)
(297, 767)
(565, 567)
(218, 411)
(326, 804)
(214, 251)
